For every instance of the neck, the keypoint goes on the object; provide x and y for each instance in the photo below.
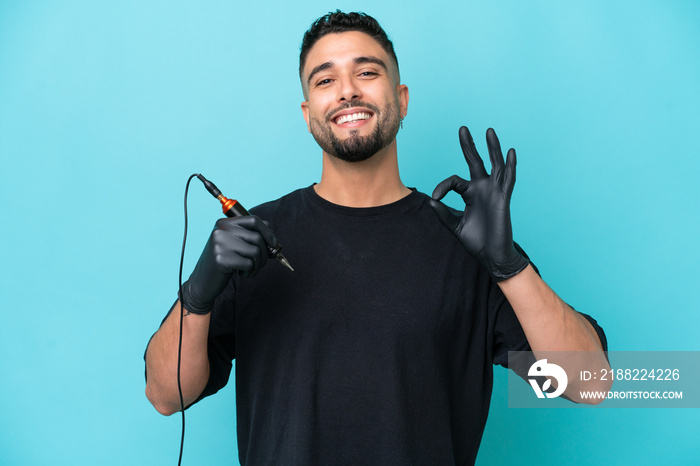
(370, 183)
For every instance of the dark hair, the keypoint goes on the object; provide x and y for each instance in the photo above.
(338, 22)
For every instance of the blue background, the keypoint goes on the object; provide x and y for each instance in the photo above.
(107, 107)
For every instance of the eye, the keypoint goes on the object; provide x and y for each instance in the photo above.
(323, 82)
(368, 73)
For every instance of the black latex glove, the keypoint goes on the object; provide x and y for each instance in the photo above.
(237, 244)
(484, 228)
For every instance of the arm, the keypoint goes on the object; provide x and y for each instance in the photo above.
(161, 361)
(556, 332)
(548, 322)
(236, 245)
(484, 229)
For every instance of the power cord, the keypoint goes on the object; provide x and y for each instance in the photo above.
(179, 345)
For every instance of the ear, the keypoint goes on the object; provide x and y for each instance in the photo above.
(305, 111)
(402, 92)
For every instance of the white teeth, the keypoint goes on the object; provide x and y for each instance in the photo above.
(351, 118)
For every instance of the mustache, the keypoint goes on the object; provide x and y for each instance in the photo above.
(353, 104)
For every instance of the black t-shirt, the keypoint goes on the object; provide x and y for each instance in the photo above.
(377, 350)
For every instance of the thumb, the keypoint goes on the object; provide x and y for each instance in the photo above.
(445, 215)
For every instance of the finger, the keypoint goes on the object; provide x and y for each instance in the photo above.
(253, 223)
(509, 178)
(450, 220)
(266, 231)
(256, 239)
(476, 165)
(495, 154)
(454, 182)
(246, 259)
(237, 248)
(250, 258)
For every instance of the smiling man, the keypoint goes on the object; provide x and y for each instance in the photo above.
(364, 121)
(379, 348)
(354, 106)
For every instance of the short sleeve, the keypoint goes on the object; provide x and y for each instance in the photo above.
(221, 345)
(507, 333)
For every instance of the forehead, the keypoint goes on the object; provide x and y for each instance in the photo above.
(339, 48)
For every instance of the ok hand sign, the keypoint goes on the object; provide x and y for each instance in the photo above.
(484, 228)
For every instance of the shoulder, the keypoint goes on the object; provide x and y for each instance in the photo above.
(286, 204)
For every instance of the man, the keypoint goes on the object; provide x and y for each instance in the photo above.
(379, 348)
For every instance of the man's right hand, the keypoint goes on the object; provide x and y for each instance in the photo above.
(237, 244)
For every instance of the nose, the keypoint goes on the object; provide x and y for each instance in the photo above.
(348, 90)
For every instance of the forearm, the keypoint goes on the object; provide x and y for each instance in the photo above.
(554, 331)
(549, 323)
(161, 361)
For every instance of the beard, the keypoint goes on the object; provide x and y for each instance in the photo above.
(357, 148)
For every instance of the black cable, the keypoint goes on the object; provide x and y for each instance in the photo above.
(211, 187)
(179, 345)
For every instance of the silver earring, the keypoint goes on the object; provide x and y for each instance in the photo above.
(401, 122)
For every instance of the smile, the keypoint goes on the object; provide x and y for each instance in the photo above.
(351, 118)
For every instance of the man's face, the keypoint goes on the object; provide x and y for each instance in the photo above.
(354, 99)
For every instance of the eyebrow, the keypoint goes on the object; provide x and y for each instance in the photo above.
(358, 61)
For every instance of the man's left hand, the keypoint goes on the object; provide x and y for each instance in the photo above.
(484, 228)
